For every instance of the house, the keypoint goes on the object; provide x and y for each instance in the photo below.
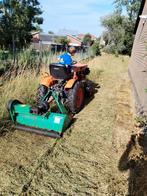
(77, 41)
(42, 41)
(80, 36)
(74, 41)
(138, 63)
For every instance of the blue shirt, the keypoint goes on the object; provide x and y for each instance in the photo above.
(65, 59)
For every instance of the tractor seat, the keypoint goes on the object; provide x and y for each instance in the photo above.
(59, 71)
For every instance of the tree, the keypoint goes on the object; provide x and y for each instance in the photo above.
(119, 28)
(96, 48)
(131, 6)
(51, 32)
(38, 28)
(17, 20)
(87, 40)
(62, 40)
(115, 32)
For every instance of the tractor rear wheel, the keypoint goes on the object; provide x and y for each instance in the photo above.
(76, 97)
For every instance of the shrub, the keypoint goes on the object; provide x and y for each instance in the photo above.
(96, 49)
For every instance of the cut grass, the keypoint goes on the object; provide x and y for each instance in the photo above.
(84, 161)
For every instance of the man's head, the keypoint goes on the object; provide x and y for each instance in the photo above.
(72, 50)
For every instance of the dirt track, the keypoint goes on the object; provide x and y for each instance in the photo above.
(88, 159)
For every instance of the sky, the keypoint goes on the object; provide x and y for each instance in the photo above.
(79, 16)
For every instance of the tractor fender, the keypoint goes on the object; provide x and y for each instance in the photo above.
(47, 81)
(70, 83)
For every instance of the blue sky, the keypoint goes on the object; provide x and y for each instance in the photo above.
(82, 16)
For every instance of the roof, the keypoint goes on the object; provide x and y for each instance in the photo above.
(74, 41)
(35, 32)
(46, 38)
(140, 12)
(74, 37)
(81, 36)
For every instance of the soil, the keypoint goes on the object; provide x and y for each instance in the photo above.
(96, 156)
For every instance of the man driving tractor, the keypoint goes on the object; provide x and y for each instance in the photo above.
(66, 58)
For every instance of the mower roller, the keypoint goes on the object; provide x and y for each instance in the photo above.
(66, 89)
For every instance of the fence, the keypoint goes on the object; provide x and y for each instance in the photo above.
(31, 59)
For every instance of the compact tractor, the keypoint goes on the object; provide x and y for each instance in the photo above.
(60, 95)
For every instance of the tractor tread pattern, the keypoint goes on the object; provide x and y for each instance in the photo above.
(72, 95)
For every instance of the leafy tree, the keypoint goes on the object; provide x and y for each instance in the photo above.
(62, 40)
(131, 6)
(87, 40)
(17, 20)
(50, 32)
(38, 28)
(119, 28)
(115, 33)
(96, 48)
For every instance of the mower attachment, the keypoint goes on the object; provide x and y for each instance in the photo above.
(48, 124)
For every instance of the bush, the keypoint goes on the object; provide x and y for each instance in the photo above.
(96, 49)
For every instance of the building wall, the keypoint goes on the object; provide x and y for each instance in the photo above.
(138, 65)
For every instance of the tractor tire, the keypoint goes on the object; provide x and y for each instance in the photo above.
(89, 89)
(76, 98)
(41, 92)
(11, 103)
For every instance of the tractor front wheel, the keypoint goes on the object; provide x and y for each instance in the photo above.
(76, 97)
(41, 92)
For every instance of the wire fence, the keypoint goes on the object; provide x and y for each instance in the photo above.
(31, 59)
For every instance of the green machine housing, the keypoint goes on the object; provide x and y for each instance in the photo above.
(49, 124)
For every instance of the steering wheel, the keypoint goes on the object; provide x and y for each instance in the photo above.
(74, 62)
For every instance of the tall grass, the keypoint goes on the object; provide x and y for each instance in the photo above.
(23, 87)
(30, 58)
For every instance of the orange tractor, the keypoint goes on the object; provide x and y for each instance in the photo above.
(71, 85)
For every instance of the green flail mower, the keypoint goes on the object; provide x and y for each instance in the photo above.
(33, 119)
(65, 89)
